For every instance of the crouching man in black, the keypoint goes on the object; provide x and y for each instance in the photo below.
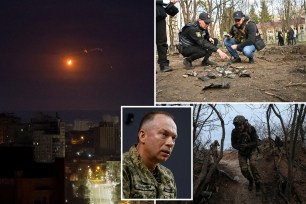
(195, 42)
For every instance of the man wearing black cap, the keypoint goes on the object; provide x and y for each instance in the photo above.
(241, 38)
(196, 42)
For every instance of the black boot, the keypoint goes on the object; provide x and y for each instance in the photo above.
(165, 68)
(236, 60)
(258, 188)
(206, 61)
(250, 184)
(251, 60)
(188, 64)
(209, 63)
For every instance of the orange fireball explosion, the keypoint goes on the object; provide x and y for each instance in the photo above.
(69, 62)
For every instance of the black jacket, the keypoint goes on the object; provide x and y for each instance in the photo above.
(193, 35)
(290, 34)
(280, 34)
(160, 10)
(249, 29)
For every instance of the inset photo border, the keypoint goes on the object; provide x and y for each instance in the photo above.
(180, 162)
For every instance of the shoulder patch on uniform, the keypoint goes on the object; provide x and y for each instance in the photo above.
(198, 34)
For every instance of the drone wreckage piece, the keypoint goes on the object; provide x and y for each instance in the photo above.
(222, 85)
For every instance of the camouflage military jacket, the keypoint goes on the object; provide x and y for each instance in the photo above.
(139, 182)
(249, 137)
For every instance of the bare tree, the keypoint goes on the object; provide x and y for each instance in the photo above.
(172, 25)
(291, 135)
(302, 129)
(207, 171)
(189, 10)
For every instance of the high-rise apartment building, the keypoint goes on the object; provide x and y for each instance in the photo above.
(109, 136)
(48, 138)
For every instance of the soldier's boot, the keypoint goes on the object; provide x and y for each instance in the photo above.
(207, 62)
(188, 64)
(250, 187)
(236, 60)
(251, 60)
(165, 68)
(258, 188)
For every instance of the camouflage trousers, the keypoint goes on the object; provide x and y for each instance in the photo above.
(248, 166)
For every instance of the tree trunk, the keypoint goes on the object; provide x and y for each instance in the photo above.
(204, 181)
(291, 156)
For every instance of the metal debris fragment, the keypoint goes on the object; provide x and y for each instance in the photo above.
(219, 86)
(191, 73)
(204, 78)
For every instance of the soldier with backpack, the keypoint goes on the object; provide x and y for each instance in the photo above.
(245, 139)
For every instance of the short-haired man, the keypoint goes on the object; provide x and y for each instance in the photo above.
(195, 42)
(143, 175)
(245, 139)
(242, 38)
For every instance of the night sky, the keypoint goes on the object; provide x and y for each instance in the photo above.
(37, 37)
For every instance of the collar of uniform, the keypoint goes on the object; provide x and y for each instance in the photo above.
(137, 158)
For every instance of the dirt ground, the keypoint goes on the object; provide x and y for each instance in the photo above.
(278, 75)
(236, 191)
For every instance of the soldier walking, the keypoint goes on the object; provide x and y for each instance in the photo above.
(214, 150)
(245, 139)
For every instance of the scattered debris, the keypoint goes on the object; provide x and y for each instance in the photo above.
(211, 75)
(244, 73)
(204, 78)
(191, 73)
(231, 76)
(219, 86)
(231, 72)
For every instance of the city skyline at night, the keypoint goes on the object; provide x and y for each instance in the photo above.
(90, 159)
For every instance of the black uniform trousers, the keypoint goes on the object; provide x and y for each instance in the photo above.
(280, 41)
(195, 52)
(161, 43)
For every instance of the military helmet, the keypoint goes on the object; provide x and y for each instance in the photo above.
(216, 143)
(239, 119)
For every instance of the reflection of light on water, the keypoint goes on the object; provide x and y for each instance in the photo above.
(101, 193)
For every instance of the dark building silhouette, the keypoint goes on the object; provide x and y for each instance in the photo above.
(9, 128)
(24, 181)
(48, 137)
(108, 136)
